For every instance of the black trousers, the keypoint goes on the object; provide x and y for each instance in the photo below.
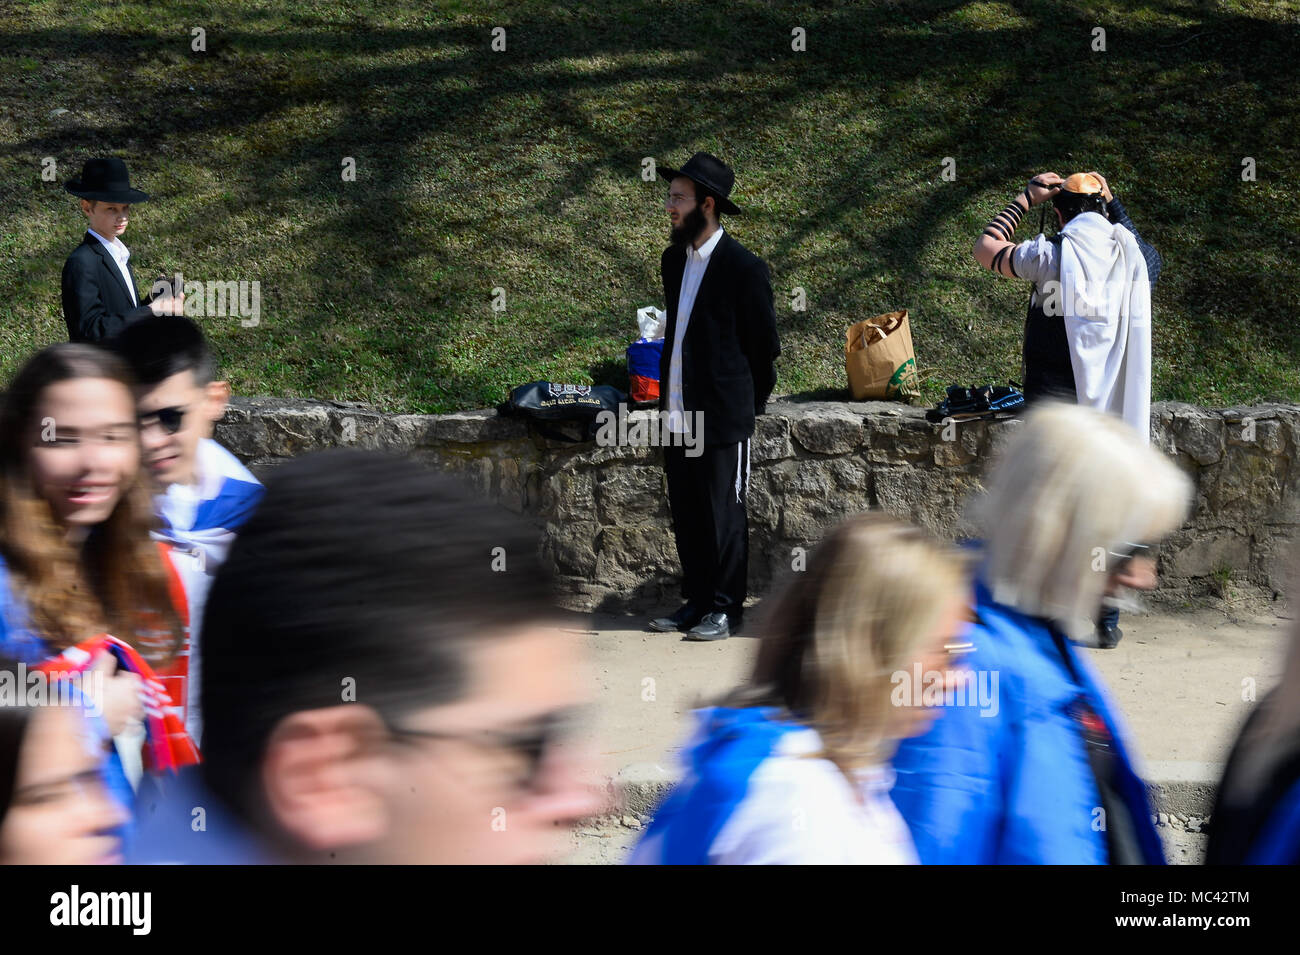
(706, 495)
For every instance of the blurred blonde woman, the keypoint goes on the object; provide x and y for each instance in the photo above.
(1074, 505)
(794, 766)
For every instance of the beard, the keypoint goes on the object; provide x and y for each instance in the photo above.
(693, 223)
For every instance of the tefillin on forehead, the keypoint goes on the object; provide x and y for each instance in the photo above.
(1080, 193)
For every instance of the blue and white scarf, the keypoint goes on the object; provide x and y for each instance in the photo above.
(199, 522)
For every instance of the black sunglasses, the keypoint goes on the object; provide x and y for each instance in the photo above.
(531, 743)
(169, 418)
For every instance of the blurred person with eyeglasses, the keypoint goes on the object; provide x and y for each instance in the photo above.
(794, 767)
(1049, 778)
(202, 493)
(55, 808)
(383, 681)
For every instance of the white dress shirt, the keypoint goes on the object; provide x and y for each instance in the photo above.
(120, 253)
(697, 260)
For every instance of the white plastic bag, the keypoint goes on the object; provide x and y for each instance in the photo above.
(652, 322)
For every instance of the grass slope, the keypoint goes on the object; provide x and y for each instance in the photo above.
(521, 170)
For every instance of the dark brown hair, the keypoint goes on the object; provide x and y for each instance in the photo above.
(362, 566)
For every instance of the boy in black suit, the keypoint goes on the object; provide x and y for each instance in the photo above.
(716, 374)
(99, 293)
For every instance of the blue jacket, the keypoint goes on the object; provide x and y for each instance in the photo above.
(1279, 842)
(181, 822)
(1015, 786)
(729, 747)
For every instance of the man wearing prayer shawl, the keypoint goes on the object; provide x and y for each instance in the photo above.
(1088, 330)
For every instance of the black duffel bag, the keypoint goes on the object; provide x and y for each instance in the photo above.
(563, 412)
(982, 401)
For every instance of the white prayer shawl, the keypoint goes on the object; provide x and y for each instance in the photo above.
(1106, 300)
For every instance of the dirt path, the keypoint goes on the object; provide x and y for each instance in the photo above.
(1183, 681)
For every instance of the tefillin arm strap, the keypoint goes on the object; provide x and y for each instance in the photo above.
(1002, 227)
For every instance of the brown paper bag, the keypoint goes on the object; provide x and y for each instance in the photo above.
(879, 359)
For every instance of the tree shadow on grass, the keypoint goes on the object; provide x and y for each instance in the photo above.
(473, 164)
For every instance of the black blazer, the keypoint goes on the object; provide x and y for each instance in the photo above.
(731, 344)
(96, 303)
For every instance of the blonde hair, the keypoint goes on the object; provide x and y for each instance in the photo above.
(1072, 487)
(874, 592)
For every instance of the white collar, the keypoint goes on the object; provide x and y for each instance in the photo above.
(115, 246)
(706, 250)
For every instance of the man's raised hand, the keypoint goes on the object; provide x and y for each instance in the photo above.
(1105, 189)
(1042, 187)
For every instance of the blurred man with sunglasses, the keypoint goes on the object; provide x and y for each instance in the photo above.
(383, 682)
(203, 494)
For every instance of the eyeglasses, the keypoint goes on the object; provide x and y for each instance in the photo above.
(169, 418)
(530, 743)
(89, 783)
(956, 649)
(675, 199)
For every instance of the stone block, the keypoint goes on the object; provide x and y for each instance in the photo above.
(630, 495)
(771, 441)
(1206, 554)
(828, 430)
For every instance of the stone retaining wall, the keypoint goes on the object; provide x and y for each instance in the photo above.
(604, 511)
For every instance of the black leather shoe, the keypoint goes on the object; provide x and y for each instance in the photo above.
(714, 626)
(1108, 637)
(686, 617)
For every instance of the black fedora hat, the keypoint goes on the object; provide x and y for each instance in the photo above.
(105, 180)
(711, 173)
